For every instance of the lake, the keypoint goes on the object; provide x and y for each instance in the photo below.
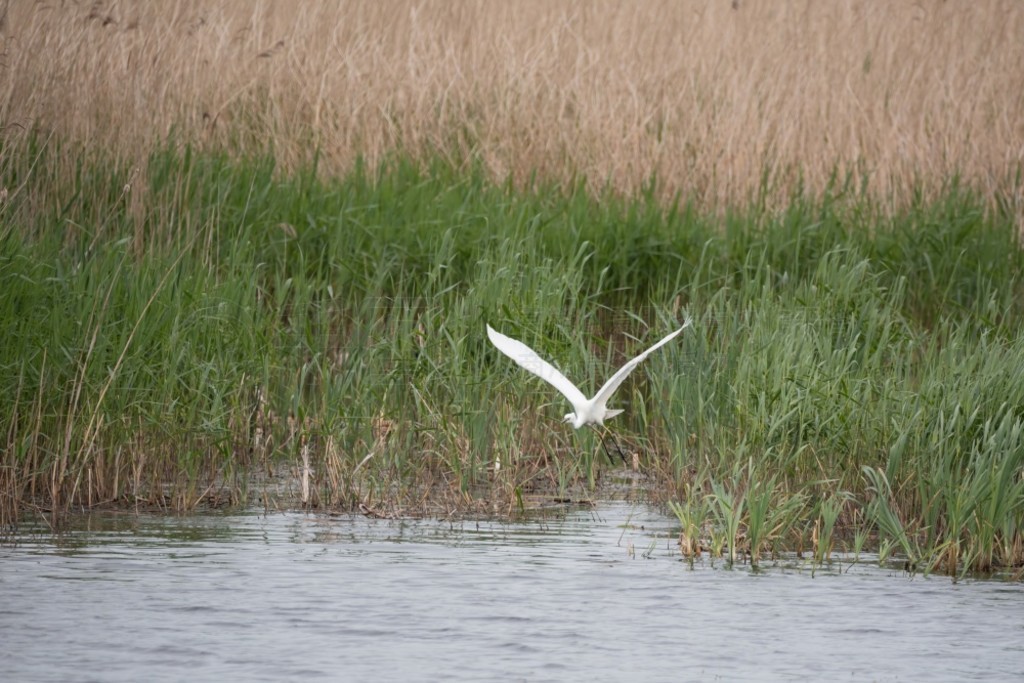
(600, 595)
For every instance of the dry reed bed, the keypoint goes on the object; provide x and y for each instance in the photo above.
(709, 97)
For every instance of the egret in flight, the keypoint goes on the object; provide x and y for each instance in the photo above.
(592, 411)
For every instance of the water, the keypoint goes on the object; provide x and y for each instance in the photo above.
(598, 596)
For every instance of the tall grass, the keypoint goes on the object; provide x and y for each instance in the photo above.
(846, 360)
(714, 100)
(240, 242)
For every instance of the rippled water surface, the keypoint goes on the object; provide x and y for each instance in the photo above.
(597, 595)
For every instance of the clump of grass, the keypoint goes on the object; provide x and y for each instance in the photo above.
(745, 515)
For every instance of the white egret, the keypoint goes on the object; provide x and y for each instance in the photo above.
(593, 411)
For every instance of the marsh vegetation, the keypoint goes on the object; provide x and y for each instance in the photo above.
(236, 244)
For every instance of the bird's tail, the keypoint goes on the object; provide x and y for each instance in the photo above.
(612, 413)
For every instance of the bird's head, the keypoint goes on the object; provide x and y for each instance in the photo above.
(569, 418)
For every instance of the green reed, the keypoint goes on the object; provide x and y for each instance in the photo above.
(195, 331)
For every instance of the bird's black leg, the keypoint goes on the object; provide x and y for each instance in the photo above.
(605, 432)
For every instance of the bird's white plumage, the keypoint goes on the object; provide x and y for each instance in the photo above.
(585, 411)
(528, 360)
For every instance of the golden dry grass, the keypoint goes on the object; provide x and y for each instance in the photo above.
(708, 96)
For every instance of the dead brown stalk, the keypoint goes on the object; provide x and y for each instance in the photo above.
(709, 97)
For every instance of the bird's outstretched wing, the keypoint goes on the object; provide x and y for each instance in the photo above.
(528, 360)
(601, 399)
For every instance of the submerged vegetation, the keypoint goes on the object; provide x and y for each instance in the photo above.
(253, 294)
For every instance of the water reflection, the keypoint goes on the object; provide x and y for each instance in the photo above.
(601, 595)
